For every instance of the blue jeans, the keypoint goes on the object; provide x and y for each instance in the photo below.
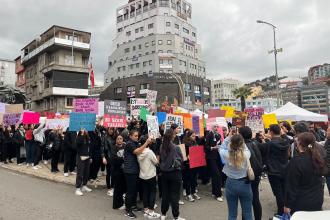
(30, 151)
(239, 190)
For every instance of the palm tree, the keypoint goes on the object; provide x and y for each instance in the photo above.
(242, 93)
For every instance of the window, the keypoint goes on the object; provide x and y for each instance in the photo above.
(160, 42)
(124, 68)
(46, 83)
(153, 43)
(141, 28)
(188, 86)
(51, 103)
(150, 26)
(69, 102)
(177, 26)
(140, 46)
(144, 86)
(69, 60)
(128, 33)
(185, 30)
(120, 30)
(118, 69)
(150, 62)
(147, 53)
(168, 24)
(160, 51)
(145, 63)
(70, 37)
(169, 51)
(197, 88)
(170, 61)
(146, 44)
(193, 34)
(131, 66)
(161, 61)
(137, 30)
(169, 42)
(126, 50)
(118, 90)
(134, 47)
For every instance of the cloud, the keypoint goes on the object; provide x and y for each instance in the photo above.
(234, 45)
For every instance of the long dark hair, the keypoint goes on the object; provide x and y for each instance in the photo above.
(187, 137)
(167, 142)
(308, 142)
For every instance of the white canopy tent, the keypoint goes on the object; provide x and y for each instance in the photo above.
(292, 112)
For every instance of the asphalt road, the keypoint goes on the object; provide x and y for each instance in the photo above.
(25, 197)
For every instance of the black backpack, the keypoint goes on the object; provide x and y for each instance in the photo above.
(255, 159)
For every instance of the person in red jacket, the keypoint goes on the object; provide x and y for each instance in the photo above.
(29, 145)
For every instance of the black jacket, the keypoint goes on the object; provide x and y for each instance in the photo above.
(211, 141)
(276, 156)
(327, 158)
(83, 146)
(117, 159)
(256, 158)
(95, 145)
(70, 141)
(18, 139)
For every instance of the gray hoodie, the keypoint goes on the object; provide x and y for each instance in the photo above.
(147, 161)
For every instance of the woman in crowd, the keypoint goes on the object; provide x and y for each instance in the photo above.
(7, 145)
(117, 161)
(70, 152)
(39, 138)
(96, 153)
(147, 162)
(83, 162)
(109, 141)
(235, 156)
(18, 140)
(190, 175)
(29, 145)
(170, 165)
(304, 182)
(56, 139)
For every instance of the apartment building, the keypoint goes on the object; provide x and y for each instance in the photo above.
(222, 89)
(319, 74)
(7, 72)
(315, 98)
(56, 69)
(20, 75)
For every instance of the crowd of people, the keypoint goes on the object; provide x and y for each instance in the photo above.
(295, 159)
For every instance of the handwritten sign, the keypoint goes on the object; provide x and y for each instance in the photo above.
(82, 120)
(153, 129)
(137, 104)
(254, 119)
(114, 107)
(88, 105)
(213, 113)
(152, 97)
(195, 124)
(114, 121)
(197, 157)
(11, 118)
(31, 117)
(174, 119)
(14, 108)
(58, 123)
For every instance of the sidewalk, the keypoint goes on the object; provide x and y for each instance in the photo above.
(45, 173)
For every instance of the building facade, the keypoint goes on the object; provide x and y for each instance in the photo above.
(291, 95)
(315, 98)
(56, 69)
(169, 88)
(319, 74)
(20, 74)
(154, 36)
(222, 90)
(7, 72)
(268, 104)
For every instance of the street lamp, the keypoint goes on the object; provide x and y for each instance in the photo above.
(275, 51)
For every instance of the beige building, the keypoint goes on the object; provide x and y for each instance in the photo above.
(222, 90)
(56, 69)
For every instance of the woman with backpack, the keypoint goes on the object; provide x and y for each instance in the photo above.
(171, 160)
(235, 156)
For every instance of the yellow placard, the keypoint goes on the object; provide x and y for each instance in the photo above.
(269, 119)
(230, 111)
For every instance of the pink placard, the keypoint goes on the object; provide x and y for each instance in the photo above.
(88, 105)
(197, 157)
(31, 118)
(114, 121)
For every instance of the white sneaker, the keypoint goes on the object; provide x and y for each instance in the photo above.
(39, 167)
(184, 193)
(35, 168)
(45, 162)
(155, 206)
(122, 208)
(220, 199)
(78, 192)
(73, 173)
(66, 174)
(110, 192)
(20, 164)
(152, 215)
(181, 202)
(190, 198)
(27, 165)
(86, 189)
(163, 217)
(196, 196)
(179, 218)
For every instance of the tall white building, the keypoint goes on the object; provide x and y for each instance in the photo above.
(222, 89)
(7, 72)
(154, 36)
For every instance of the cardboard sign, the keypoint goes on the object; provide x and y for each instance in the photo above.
(187, 121)
(11, 119)
(113, 107)
(143, 113)
(100, 108)
(230, 111)
(114, 121)
(14, 108)
(88, 105)
(152, 97)
(201, 127)
(269, 119)
(197, 157)
(174, 119)
(137, 104)
(161, 117)
(31, 118)
(153, 129)
(213, 113)
(2, 107)
(183, 151)
(254, 119)
(57, 123)
(219, 121)
(82, 120)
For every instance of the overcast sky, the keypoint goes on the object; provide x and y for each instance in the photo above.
(234, 45)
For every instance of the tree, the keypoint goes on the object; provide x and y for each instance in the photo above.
(11, 95)
(242, 93)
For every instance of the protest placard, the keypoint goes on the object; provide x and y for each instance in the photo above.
(195, 125)
(174, 119)
(187, 121)
(197, 157)
(11, 119)
(269, 119)
(87, 105)
(2, 107)
(183, 151)
(14, 108)
(31, 117)
(58, 123)
(230, 111)
(113, 107)
(213, 113)
(80, 121)
(254, 119)
(114, 121)
(161, 117)
(137, 104)
(152, 97)
(153, 129)
(100, 108)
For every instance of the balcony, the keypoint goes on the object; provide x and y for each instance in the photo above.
(164, 3)
(58, 42)
(64, 91)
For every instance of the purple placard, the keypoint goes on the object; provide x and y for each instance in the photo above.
(195, 124)
(88, 105)
(11, 119)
